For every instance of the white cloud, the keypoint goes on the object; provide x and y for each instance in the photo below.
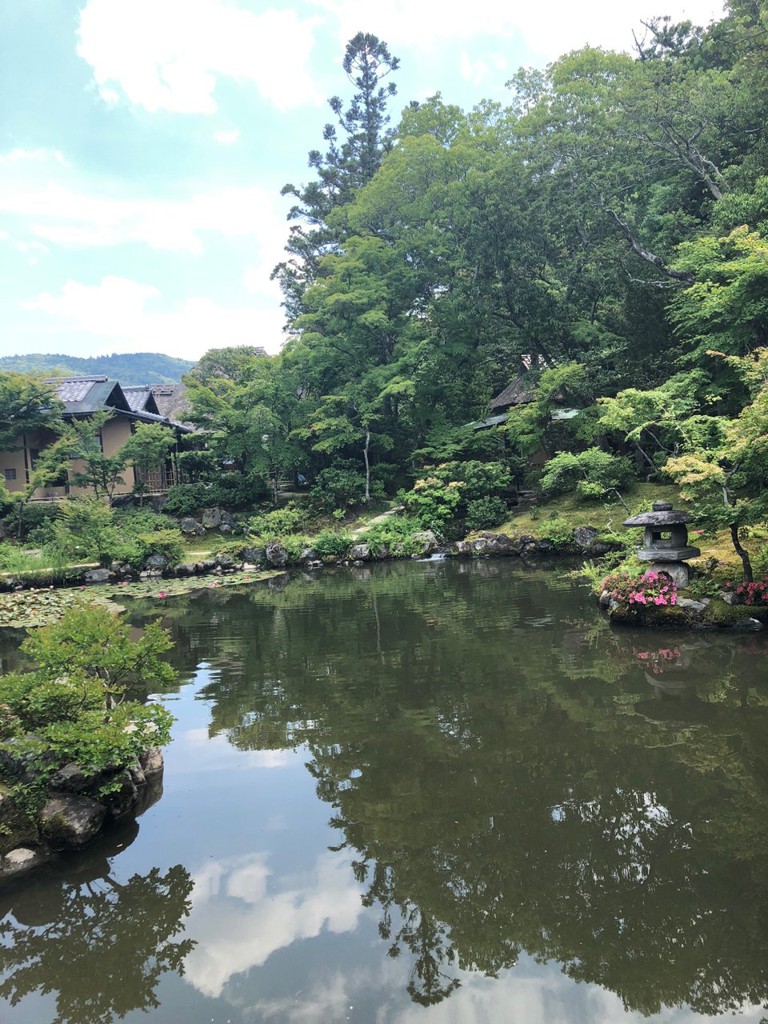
(128, 316)
(168, 54)
(92, 307)
(79, 217)
(243, 914)
(548, 29)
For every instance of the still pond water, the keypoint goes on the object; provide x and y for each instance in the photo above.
(424, 792)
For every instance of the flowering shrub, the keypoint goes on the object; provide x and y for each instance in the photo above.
(450, 492)
(749, 593)
(648, 589)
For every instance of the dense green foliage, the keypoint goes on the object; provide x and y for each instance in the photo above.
(599, 238)
(73, 706)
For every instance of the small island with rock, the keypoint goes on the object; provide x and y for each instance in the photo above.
(77, 756)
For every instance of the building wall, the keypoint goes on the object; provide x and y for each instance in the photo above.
(114, 434)
(13, 470)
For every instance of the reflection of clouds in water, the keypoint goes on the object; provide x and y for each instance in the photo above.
(317, 1005)
(238, 920)
(219, 753)
(543, 996)
(532, 994)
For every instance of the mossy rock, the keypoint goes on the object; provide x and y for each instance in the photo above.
(722, 615)
(660, 616)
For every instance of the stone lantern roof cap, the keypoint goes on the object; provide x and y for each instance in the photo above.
(662, 514)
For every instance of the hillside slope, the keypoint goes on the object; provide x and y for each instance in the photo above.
(128, 368)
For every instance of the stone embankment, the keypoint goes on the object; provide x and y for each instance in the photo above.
(42, 816)
(583, 541)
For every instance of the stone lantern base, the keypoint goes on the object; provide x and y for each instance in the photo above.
(679, 572)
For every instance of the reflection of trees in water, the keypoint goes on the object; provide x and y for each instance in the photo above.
(100, 945)
(506, 781)
(630, 867)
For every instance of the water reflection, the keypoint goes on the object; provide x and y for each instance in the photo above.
(515, 792)
(98, 944)
(245, 913)
(586, 798)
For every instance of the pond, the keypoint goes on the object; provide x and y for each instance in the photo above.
(426, 792)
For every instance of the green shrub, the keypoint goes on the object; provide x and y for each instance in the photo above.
(558, 531)
(338, 488)
(28, 521)
(237, 491)
(73, 707)
(480, 479)
(278, 522)
(167, 543)
(295, 544)
(589, 473)
(186, 499)
(329, 543)
(442, 496)
(143, 520)
(85, 530)
(433, 502)
(485, 513)
(394, 530)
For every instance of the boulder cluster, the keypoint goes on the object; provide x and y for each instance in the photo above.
(74, 807)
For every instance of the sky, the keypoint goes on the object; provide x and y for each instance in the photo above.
(144, 143)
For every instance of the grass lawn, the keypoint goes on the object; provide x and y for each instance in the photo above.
(608, 514)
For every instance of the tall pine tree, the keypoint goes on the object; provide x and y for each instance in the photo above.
(356, 144)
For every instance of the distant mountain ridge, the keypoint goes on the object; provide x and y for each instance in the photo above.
(129, 368)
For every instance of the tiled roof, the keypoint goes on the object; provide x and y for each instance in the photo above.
(140, 398)
(171, 400)
(83, 396)
(75, 389)
(517, 392)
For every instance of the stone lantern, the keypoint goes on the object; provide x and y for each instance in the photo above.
(665, 544)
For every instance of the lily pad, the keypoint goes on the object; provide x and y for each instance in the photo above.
(28, 608)
(162, 589)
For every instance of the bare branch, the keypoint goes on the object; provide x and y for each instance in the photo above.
(645, 254)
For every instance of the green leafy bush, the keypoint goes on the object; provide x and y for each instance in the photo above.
(169, 544)
(338, 488)
(392, 532)
(85, 530)
(443, 495)
(558, 531)
(329, 543)
(433, 502)
(28, 521)
(589, 473)
(186, 499)
(295, 544)
(278, 522)
(237, 491)
(72, 706)
(485, 513)
(143, 520)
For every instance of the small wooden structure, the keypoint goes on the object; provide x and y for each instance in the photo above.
(665, 544)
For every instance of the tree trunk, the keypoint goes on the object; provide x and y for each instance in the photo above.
(367, 465)
(743, 555)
